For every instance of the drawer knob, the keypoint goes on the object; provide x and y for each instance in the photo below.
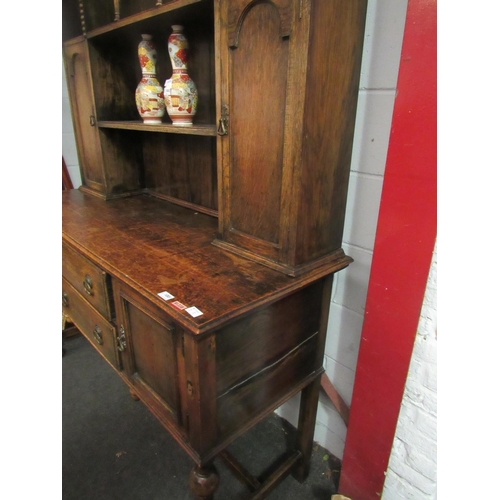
(65, 300)
(98, 335)
(87, 284)
(121, 341)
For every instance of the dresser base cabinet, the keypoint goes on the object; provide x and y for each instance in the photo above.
(257, 340)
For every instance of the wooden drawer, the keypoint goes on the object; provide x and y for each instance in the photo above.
(94, 326)
(89, 280)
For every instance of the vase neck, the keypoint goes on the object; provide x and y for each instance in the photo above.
(177, 65)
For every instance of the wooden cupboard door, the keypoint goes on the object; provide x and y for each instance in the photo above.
(83, 111)
(255, 58)
(149, 349)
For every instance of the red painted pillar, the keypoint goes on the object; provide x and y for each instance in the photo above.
(404, 243)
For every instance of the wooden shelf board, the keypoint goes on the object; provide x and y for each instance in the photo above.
(166, 128)
(141, 16)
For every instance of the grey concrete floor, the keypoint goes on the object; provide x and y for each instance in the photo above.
(114, 449)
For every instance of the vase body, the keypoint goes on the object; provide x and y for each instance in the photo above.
(181, 95)
(149, 96)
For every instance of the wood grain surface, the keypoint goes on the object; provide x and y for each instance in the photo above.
(155, 246)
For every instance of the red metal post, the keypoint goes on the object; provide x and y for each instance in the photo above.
(404, 243)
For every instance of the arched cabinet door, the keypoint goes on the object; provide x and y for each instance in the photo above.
(289, 80)
(76, 58)
(255, 54)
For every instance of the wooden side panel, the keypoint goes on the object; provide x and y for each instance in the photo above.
(115, 76)
(122, 157)
(257, 96)
(182, 167)
(336, 42)
(262, 356)
(261, 392)
(82, 107)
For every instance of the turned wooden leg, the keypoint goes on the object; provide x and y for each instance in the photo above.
(203, 481)
(134, 396)
(307, 420)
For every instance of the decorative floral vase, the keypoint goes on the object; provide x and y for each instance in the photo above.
(149, 96)
(181, 95)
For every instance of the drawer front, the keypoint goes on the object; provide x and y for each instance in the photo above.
(94, 326)
(88, 279)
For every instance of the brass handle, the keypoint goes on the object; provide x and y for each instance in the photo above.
(222, 129)
(87, 284)
(92, 120)
(98, 335)
(121, 341)
(65, 300)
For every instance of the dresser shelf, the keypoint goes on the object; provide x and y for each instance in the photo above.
(165, 128)
(145, 15)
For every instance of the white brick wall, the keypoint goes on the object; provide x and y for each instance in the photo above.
(381, 54)
(412, 471)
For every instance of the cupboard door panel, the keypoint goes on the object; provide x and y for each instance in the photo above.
(255, 64)
(258, 76)
(153, 354)
(84, 118)
(237, 11)
(150, 354)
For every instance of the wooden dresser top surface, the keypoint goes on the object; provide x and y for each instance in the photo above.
(156, 246)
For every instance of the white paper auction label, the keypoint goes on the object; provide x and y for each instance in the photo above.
(194, 311)
(166, 295)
